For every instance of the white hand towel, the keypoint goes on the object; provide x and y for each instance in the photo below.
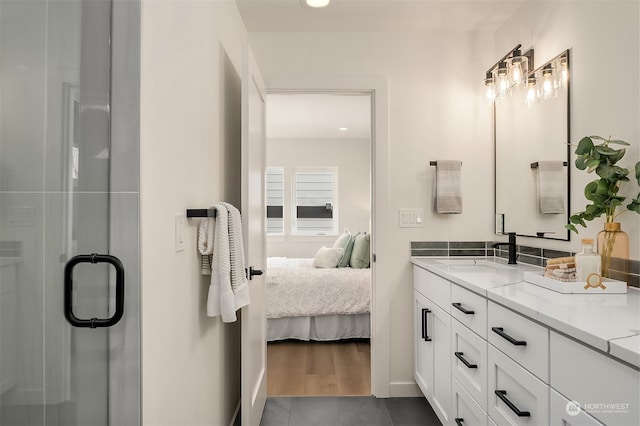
(205, 244)
(448, 186)
(551, 187)
(239, 282)
(228, 290)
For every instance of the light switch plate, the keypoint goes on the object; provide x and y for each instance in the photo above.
(180, 227)
(411, 218)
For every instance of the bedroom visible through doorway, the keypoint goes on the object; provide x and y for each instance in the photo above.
(318, 192)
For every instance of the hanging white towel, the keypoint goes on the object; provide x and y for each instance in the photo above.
(205, 244)
(551, 187)
(448, 186)
(228, 290)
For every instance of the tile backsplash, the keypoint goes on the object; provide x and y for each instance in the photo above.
(531, 255)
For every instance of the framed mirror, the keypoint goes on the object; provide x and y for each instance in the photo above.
(531, 136)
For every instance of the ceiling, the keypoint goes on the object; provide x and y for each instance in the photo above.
(377, 15)
(318, 116)
(313, 116)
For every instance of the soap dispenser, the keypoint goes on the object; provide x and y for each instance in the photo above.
(587, 262)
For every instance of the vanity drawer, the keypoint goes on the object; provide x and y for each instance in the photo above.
(563, 412)
(433, 287)
(470, 309)
(466, 410)
(605, 388)
(470, 348)
(524, 341)
(523, 399)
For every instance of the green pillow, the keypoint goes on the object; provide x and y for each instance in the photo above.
(343, 239)
(360, 253)
(346, 257)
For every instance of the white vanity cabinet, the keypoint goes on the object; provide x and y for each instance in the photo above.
(517, 354)
(433, 341)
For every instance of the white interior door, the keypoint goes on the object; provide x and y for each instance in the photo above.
(254, 321)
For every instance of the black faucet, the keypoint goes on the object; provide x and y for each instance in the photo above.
(512, 247)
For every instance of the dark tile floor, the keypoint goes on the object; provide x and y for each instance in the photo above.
(348, 411)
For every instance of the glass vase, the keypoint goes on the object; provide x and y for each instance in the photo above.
(613, 246)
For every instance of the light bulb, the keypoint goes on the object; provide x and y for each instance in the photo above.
(518, 68)
(532, 96)
(489, 82)
(502, 79)
(564, 71)
(548, 89)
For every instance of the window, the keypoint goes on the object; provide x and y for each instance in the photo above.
(314, 210)
(275, 200)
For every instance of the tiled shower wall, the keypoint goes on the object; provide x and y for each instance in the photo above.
(531, 255)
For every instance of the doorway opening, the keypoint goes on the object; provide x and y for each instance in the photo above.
(319, 231)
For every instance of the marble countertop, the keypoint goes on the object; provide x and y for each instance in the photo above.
(608, 322)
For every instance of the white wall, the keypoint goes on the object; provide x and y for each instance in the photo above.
(190, 136)
(604, 40)
(353, 160)
(435, 112)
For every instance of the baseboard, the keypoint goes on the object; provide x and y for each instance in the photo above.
(235, 419)
(404, 389)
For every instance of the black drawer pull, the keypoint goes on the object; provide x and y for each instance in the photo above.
(464, 361)
(500, 332)
(459, 421)
(425, 336)
(502, 394)
(459, 307)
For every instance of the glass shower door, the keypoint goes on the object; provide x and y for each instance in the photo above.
(56, 203)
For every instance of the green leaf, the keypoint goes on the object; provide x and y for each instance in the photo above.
(581, 162)
(606, 172)
(619, 142)
(585, 146)
(634, 205)
(638, 172)
(571, 228)
(605, 150)
(598, 138)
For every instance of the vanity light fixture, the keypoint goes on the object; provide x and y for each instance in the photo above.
(316, 4)
(563, 75)
(509, 73)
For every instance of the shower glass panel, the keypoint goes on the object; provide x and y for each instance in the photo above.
(56, 202)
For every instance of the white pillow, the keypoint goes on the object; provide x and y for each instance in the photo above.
(328, 257)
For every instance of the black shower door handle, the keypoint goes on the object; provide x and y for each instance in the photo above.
(68, 291)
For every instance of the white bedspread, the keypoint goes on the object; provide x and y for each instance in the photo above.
(296, 288)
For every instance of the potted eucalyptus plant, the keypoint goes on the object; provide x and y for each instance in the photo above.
(595, 154)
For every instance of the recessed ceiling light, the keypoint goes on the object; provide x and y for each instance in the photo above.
(343, 129)
(315, 3)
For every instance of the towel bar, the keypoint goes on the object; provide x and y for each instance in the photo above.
(535, 165)
(201, 213)
(435, 163)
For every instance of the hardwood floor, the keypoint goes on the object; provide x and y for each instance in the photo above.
(338, 368)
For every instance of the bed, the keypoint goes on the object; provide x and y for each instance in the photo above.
(308, 303)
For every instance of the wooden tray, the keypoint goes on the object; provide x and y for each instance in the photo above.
(575, 287)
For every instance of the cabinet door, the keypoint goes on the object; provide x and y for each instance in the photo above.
(469, 361)
(563, 412)
(423, 347)
(440, 330)
(516, 397)
(464, 409)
